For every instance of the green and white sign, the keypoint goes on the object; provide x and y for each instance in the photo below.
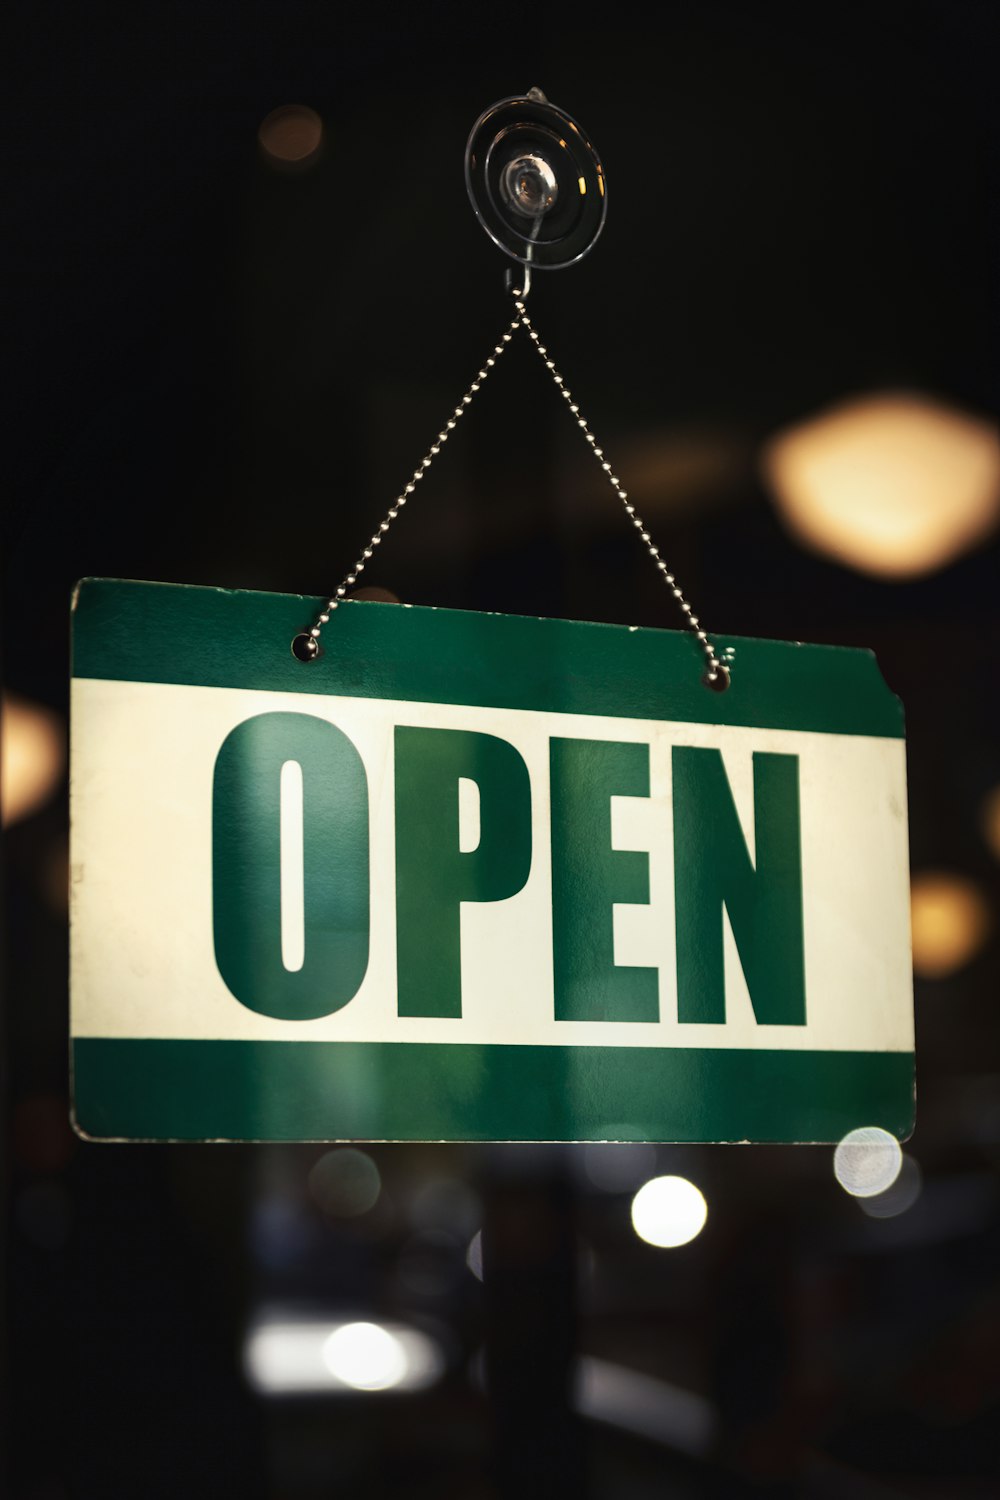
(478, 877)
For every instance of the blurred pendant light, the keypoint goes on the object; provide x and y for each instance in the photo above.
(32, 756)
(950, 920)
(894, 484)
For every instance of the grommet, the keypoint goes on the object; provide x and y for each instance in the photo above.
(720, 682)
(305, 647)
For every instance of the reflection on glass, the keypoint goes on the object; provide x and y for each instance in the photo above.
(652, 1409)
(618, 1168)
(345, 1183)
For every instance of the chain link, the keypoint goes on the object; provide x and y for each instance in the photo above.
(311, 641)
(717, 674)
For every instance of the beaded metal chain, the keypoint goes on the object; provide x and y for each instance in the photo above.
(306, 646)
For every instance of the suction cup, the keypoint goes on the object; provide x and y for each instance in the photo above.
(535, 182)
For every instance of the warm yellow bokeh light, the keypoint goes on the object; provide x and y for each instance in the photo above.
(951, 921)
(683, 468)
(990, 820)
(32, 755)
(291, 134)
(895, 484)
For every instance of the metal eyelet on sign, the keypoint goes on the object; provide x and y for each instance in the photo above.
(305, 647)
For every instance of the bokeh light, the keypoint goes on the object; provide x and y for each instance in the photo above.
(899, 1195)
(365, 1356)
(895, 485)
(668, 1211)
(867, 1161)
(291, 1353)
(474, 1255)
(677, 469)
(446, 1203)
(42, 1138)
(291, 134)
(950, 921)
(618, 1168)
(32, 756)
(281, 1230)
(990, 820)
(428, 1264)
(345, 1183)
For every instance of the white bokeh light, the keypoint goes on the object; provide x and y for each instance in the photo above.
(365, 1356)
(291, 1353)
(899, 1196)
(867, 1161)
(668, 1211)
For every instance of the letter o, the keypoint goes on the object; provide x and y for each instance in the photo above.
(246, 866)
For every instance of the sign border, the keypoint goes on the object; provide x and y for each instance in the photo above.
(139, 1089)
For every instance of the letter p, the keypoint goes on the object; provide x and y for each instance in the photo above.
(433, 874)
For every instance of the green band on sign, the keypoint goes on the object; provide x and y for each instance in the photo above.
(229, 638)
(384, 1091)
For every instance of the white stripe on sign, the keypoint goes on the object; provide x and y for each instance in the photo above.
(142, 939)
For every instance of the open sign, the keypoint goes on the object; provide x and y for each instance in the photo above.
(478, 877)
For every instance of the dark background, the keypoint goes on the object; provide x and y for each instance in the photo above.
(221, 371)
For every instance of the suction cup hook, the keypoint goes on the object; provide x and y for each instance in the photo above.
(537, 187)
(536, 184)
